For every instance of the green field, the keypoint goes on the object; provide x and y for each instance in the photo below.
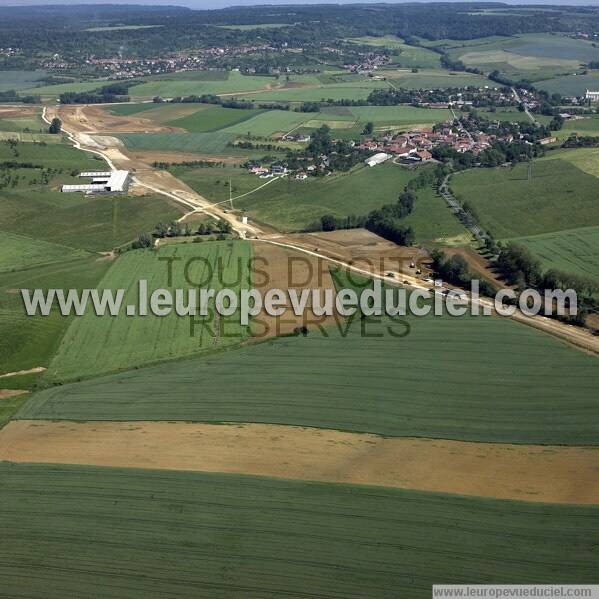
(44, 138)
(400, 115)
(586, 159)
(336, 91)
(33, 124)
(53, 91)
(211, 75)
(128, 109)
(512, 115)
(30, 341)
(586, 126)
(431, 79)
(205, 143)
(213, 119)
(574, 251)
(95, 345)
(409, 56)
(290, 205)
(445, 379)
(74, 220)
(60, 156)
(270, 122)
(9, 405)
(534, 56)
(17, 252)
(433, 222)
(159, 112)
(166, 534)
(41, 212)
(559, 196)
(571, 85)
(19, 80)
(168, 88)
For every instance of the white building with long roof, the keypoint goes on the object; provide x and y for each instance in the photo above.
(102, 182)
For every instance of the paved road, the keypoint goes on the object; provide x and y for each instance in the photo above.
(530, 116)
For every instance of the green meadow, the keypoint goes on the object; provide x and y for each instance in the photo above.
(588, 125)
(437, 377)
(585, 159)
(433, 222)
(399, 116)
(534, 56)
(213, 119)
(571, 85)
(30, 341)
(359, 90)
(574, 250)
(163, 533)
(95, 224)
(17, 252)
(178, 86)
(270, 122)
(406, 56)
(130, 108)
(216, 142)
(291, 205)
(97, 344)
(559, 196)
(436, 78)
(20, 80)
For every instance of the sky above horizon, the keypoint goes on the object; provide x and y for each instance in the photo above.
(212, 4)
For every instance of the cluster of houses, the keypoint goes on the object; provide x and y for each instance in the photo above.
(7, 52)
(417, 146)
(414, 146)
(296, 137)
(264, 172)
(369, 62)
(528, 99)
(126, 68)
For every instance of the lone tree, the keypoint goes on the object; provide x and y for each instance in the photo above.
(55, 126)
(368, 129)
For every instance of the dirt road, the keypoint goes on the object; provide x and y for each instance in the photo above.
(76, 124)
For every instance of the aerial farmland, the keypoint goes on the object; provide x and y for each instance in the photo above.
(311, 345)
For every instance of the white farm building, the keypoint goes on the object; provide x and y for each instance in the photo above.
(377, 159)
(101, 182)
(592, 96)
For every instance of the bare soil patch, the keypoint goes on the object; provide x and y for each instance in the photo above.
(95, 118)
(362, 249)
(526, 473)
(278, 268)
(8, 112)
(6, 393)
(478, 265)
(23, 372)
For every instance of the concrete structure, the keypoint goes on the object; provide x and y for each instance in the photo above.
(547, 140)
(102, 182)
(592, 96)
(377, 159)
